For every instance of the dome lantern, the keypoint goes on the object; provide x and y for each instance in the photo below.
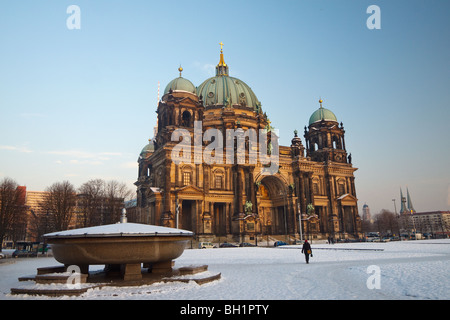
(221, 68)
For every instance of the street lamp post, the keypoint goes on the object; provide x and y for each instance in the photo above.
(414, 226)
(300, 224)
(284, 193)
(177, 212)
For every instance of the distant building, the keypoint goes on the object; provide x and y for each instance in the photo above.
(37, 219)
(36, 210)
(132, 214)
(437, 223)
(366, 213)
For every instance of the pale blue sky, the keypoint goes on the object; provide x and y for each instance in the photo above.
(80, 104)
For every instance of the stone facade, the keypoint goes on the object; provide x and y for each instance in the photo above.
(236, 197)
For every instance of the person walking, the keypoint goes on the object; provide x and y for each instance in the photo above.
(306, 249)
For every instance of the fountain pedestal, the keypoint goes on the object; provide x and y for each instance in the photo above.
(131, 271)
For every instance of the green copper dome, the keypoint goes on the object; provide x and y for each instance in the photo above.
(223, 90)
(322, 114)
(180, 84)
(227, 91)
(148, 149)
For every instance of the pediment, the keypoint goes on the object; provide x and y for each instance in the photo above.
(190, 189)
(189, 101)
(347, 199)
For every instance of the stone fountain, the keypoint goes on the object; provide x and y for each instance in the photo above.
(122, 246)
(126, 250)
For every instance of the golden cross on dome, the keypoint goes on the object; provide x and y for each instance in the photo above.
(221, 68)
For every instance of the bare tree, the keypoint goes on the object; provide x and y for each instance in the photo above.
(101, 202)
(386, 222)
(367, 226)
(12, 209)
(60, 204)
(116, 193)
(91, 198)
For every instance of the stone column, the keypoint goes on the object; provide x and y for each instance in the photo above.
(167, 185)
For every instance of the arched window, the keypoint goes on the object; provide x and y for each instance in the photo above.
(187, 175)
(336, 142)
(219, 179)
(218, 182)
(316, 186)
(186, 119)
(341, 187)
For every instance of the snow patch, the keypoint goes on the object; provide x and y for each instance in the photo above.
(409, 270)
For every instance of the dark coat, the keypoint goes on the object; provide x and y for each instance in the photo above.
(306, 247)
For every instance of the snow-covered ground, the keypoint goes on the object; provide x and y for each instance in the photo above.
(407, 270)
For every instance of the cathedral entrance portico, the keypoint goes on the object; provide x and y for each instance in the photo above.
(220, 221)
(350, 220)
(188, 202)
(273, 205)
(187, 214)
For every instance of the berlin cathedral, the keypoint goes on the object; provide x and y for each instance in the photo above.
(311, 194)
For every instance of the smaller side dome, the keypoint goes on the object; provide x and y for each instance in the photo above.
(322, 114)
(148, 149)
(180, 84)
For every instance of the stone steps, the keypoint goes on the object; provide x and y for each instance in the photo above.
(52, 291)
(59, 278)
(191, 271)
(200, 281)
(53, 281)
(52, 269)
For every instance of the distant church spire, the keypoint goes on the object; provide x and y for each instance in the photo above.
(403, 208)
(409, 202)
(406, 203)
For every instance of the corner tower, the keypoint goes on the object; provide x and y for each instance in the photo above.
(325, 138)
(179, 108)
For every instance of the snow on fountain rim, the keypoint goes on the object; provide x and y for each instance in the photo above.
(120, 229)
